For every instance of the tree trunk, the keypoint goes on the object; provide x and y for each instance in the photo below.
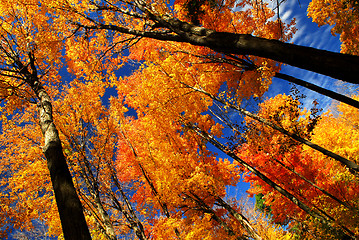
(336, 65)
(321, 215)
(240, 218)
(73, 221)
(339, 97)
(352, 166)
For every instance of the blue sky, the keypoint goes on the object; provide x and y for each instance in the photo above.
(308, 34)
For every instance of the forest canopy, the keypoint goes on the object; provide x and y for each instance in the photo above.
(136, 120)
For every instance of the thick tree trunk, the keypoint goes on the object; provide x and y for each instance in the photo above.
(336, 65)
(73, 221)
(70, 209)
(340, 66)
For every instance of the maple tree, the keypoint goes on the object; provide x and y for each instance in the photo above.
(30, 55)
(152, 175)
(161, 22)
(342, 15)
(304, 172)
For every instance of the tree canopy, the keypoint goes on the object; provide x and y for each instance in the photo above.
(90, 153)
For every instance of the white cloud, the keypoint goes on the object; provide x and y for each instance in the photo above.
(308, 34)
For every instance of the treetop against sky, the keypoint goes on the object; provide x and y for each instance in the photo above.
(155, 160)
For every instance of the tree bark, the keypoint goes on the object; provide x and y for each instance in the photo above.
(245, 65)
(70, 209)
(320, 215)
(336, 65)
(339, 97)
(73, 221)
(241, 219)
(352, 166)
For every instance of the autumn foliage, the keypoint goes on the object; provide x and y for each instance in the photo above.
(316, 179)
(343, 16)
(139, 146)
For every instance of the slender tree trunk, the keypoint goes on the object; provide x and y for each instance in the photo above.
(352, 166)
(339, 97)
(241, 64)
(321, 215)
(134, 221)
(241, 219)
(105, 218)
(93, 187)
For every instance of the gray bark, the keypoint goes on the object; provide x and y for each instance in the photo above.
(73, 221)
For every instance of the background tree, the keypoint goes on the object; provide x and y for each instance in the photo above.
(343, 16)
(302, 171)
